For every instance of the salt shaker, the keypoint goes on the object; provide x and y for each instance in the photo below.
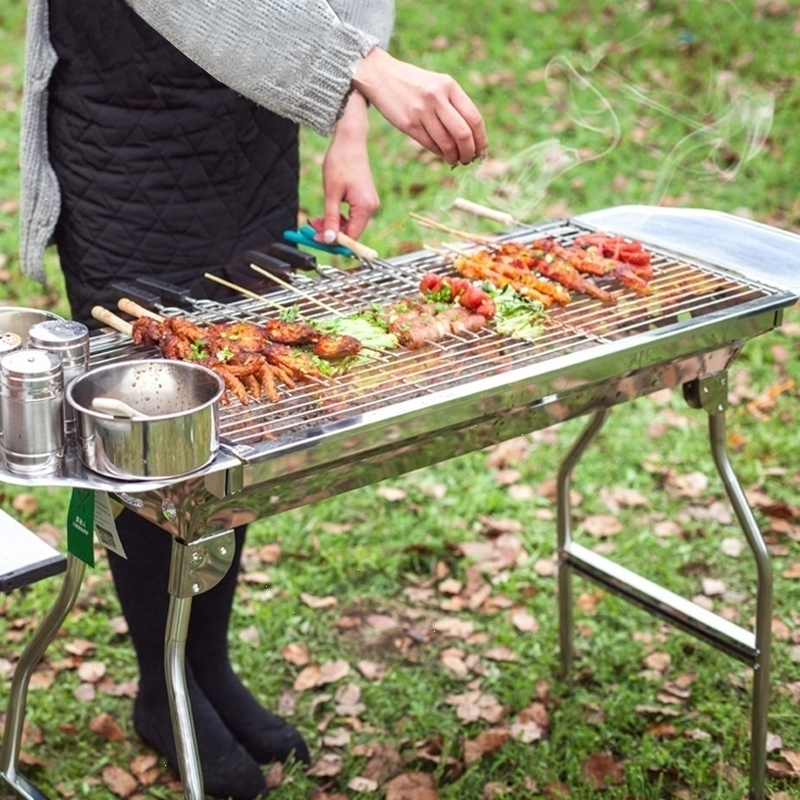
(32, 411)
(69, 340)
(9, 342)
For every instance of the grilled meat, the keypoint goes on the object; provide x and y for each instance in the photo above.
(290, 332)
(242, 353)
(417, 323)
(331, 346)
(544, 269)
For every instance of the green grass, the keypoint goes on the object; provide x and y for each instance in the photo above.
(651, 73)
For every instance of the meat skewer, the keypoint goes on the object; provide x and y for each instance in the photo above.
(591, 254)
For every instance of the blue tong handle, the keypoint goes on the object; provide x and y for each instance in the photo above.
(305, 236)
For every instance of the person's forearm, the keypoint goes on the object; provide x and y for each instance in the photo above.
(354, 123)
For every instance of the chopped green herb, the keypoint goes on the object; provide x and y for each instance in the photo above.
(289, 314)
(516, 316)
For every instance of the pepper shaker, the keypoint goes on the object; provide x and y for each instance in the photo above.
(32, 411)
(69, 340)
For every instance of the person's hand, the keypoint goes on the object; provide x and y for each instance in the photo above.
(427, 106)
(346, 176)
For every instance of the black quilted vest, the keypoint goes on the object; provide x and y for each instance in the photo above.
(164, 171)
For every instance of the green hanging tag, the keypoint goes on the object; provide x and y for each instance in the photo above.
(80, 525)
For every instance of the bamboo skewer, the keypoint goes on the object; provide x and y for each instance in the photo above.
(312, 299)
(432, 223)
(478, 210)
(112, 320)
(360, 250)
(300, 292)
(135, 310)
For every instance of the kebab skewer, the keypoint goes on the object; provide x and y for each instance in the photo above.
(520, 265)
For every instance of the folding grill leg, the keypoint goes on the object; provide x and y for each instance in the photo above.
(194, 568)
(708, 393)
(31, 655)
(563, 524)
(764, 590)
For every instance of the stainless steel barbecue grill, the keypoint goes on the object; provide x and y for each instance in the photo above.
(408, 409)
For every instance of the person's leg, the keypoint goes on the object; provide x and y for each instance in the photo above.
(141, 584)
(265, 736)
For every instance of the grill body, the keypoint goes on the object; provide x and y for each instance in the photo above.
(407, 410)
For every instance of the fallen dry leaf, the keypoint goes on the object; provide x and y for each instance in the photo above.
(411, 786)
(381, 622)
(274, 776)
(693, 485)
(526, 732)
(392, 494)
(523, 621)
(307, 678)
(384, 763)
(361, 784)
(662, 729)
(793, 571)
(545, 567)
(601, 525)
(120, 782)
(454, 662)
(249, 635)
(486, 742)
(712, 587)
(85, 693)
(80, 647)
(326, 766)
(556, 791)
(495, 555)
(25, 503)
(332, 671)
(657, 661)
(793, 757)
(296, 653)
(508, 452)
(733, 547)
(269, 553)
(501, 653)
(453, 627)
(338, 738)
(145, 769)
(371, 670)
(318, 602)
(602, 770)
(106, 727)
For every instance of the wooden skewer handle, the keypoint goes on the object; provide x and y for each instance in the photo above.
(361, 250)
(135, 310)
(483, 211)
(112, 320)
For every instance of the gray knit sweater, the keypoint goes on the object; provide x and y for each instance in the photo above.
(295, 57)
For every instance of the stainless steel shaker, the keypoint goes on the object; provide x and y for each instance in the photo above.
(69, 340)
(32, 411)
(9, 342)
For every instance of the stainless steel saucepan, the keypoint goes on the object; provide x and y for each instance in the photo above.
(147, 419)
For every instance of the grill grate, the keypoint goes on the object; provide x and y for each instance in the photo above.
(683, 290)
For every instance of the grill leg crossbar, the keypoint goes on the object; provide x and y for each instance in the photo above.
(750, 646)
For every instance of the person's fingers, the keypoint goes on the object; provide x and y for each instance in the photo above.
(438, 130)
(359, 218)
(332, 218)
(472, 117)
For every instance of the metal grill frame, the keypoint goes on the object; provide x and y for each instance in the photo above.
(249, 481)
